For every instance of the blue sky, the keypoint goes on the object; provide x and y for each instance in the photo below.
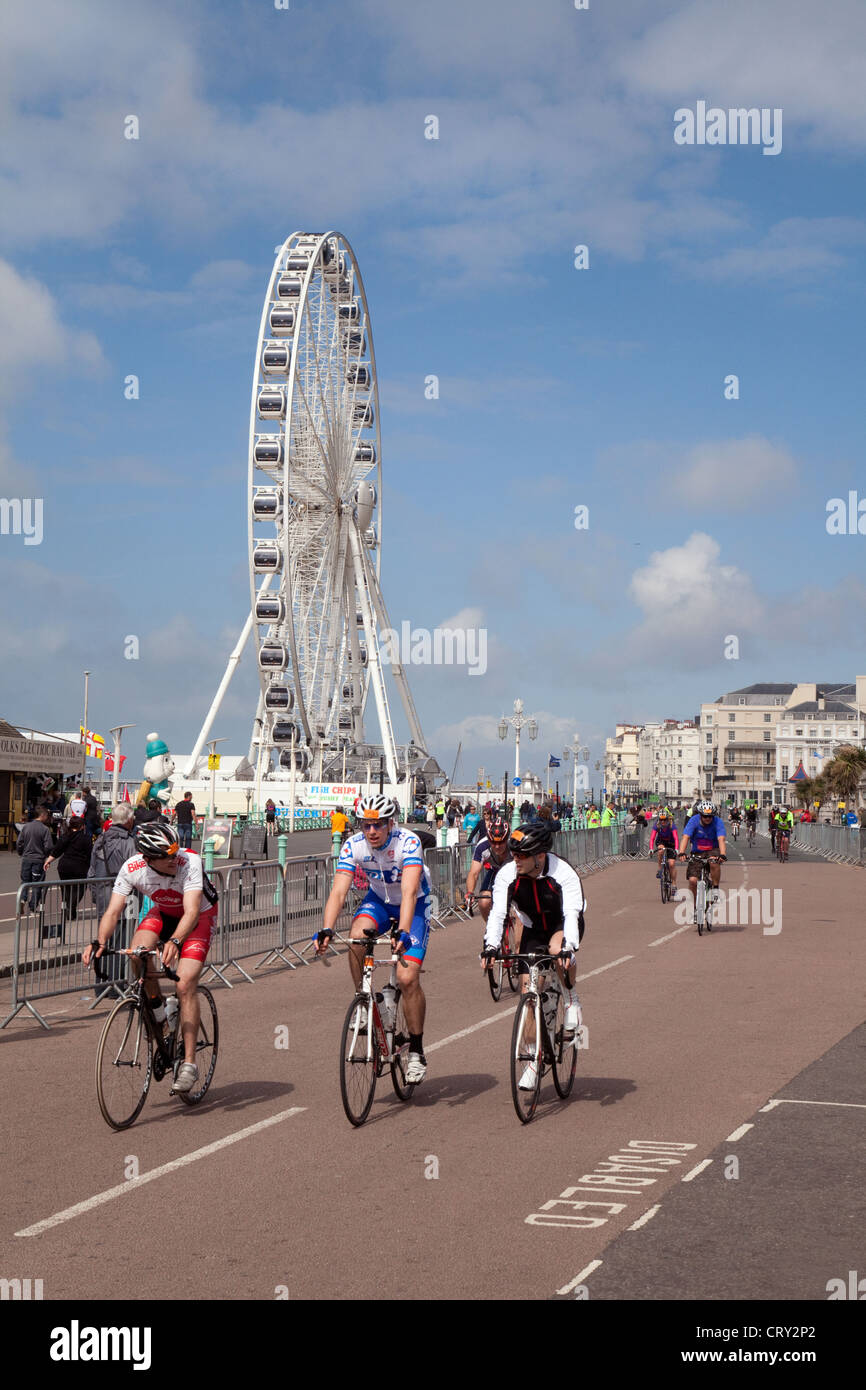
(557, 386)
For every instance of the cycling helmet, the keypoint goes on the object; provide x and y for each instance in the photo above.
(375, 808)
(706, 808)
(664, 814)
(531, 839)
(498, 831)
(156, 840)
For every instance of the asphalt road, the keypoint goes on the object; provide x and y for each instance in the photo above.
(690, 1040)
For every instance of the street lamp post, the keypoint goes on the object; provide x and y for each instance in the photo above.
(115, 779)
(212, 743)
(517, 720)
(84, 738)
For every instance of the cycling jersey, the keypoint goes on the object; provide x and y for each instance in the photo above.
(384, 867)
(664, 835)
(165, 890)
(554, 901)
(704, 839)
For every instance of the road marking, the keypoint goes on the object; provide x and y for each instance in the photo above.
(579, 1278)
(738, 1133)
(785, 1100)
(134, 1183)
(700, 1168)
(621, 910)
(647, 1216)
(589, 974)
(464, 1032)
(690, 926)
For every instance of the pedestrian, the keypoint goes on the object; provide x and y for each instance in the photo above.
(34, 845)
(185, 814)
(74, 845)
(91, 814)
(440, 812)
(271, 816)
(111, 850)
(77, 807)
(431, 815)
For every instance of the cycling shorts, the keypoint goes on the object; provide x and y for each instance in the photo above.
(387, 915)
(196, 945)
(694, 866)
(669, 849)
(531, 942)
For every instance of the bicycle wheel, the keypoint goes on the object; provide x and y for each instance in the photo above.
(665, 881)
(494, 978)
(400, 1054)
(512, 970)
(563, 1050)
(206, 1048)
(124, 1064)
(701, 905)
(525, 1052)
(358, 1072)
(708, 910)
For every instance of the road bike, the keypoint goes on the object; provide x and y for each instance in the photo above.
(705, 894)
(750, 834)
(664, 877)
(783, 842)
(506, 967)
(136, 1048)
(539, 1038)
(375, 1036)
(735, 829)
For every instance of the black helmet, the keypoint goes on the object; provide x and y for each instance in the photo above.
(155, 840)
(531, 839)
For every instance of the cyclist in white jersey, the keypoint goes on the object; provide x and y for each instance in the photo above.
(398, 899)
(173, 880)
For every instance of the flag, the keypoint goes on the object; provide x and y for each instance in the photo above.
(553, 762)
(126, 791)
(109, 762)
(95, 743)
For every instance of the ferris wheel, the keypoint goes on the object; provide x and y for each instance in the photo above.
(315, 525)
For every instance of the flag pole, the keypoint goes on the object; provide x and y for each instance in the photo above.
(115, 779)
(85, 735)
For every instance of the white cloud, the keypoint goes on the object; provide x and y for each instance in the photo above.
(798, 250)
(32, 335)
(743, 468)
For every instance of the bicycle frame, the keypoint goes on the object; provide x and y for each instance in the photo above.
(384, 1039)
(137, 992)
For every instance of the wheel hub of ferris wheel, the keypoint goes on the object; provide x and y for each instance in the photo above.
(315, 524)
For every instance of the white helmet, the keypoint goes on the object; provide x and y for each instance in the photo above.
(375, 808)
(706, 808)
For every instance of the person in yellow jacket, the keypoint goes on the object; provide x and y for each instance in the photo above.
(608, 816)
(339, 823)
(593, 819)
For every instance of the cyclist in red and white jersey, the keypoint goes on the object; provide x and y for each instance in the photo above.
(174, 881)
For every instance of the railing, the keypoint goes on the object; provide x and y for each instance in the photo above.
(844, 844)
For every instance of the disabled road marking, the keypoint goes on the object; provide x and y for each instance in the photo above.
(647, 1216)
(133, 1183)
(695, 1171)
(738, 1133)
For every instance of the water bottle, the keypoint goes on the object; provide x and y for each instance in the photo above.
(159, 1010)
(387, 1005)
(171, 1008)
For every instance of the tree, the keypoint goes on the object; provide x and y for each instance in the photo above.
(805, 791)
(846, 772)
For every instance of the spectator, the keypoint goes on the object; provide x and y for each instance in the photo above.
(608, 815)
(151, 812)
(91, 814)
(805, 816)
(431, 815)
(110, 852)
(451, 814)
(77, 807)
(74, 845)
(35, 846)
(185, 813)
(340, 824)
(471, 822)
(271, 816)
(440, 812)
(545, 813)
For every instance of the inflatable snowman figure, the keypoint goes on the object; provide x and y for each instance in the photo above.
(157, 770)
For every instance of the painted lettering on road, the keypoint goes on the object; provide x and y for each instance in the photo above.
(591, 1202)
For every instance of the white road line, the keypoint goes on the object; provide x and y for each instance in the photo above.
(579, 1278)
(700, 1168)
(690, 926)
(589, 974)
(842, 1104)
(464, 1032)
(647, 1216)
(621, 910)
(738, 1133)
(134, 1183)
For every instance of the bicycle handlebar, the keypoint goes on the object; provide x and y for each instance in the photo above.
(139, 951)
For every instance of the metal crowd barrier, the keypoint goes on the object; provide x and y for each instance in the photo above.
(840, 843)
(52, 927)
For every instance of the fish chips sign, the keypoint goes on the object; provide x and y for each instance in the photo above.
(35, 755)
(331, 794)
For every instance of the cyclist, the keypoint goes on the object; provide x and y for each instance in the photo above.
(490, 855)
(547, 896)
(771, 826)
(707, 831)
(397, 900)
(785, 822)
(664, 836)
(751, 817)
(736, 818)
(178, 919)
